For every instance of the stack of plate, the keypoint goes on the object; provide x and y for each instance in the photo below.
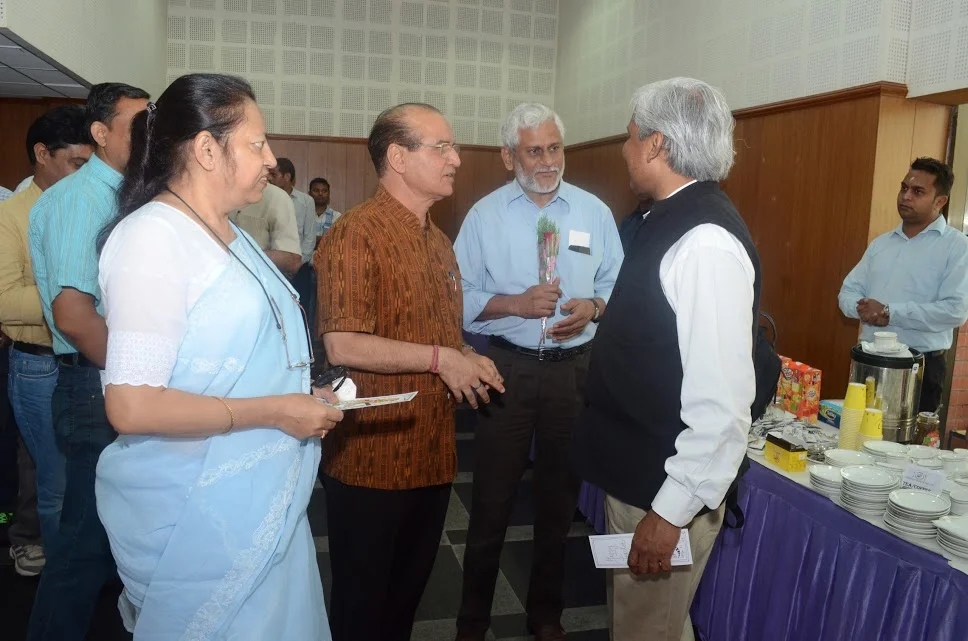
(886, 451)
(959, 501)
(865, 489)
(922, 452)
(910, 513)
(953, 535)
(825, 479)
(841, 458)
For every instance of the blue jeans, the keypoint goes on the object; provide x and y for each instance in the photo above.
(79, 563)
(31, 382)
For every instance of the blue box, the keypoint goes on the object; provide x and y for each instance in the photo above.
(830, 412)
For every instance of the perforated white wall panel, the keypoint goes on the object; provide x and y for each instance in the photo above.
(938, 58)
(756, 51)
(328, 67)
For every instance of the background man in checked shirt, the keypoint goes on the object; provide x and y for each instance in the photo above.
(63, 231)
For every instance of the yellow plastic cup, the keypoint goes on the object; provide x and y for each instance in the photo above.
(873, 423)
(856, 397)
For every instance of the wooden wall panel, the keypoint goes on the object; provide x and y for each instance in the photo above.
(17, 114)
(599, 168)
(346, 164)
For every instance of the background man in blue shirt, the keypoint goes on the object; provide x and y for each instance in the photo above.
(498, 256)
(64, 225)
(914, 279)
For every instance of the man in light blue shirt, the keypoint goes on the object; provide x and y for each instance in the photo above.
(497, 251)
(64, 226)
(914, 279)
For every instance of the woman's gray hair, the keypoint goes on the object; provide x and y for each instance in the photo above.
(695, 122)
(527, 115)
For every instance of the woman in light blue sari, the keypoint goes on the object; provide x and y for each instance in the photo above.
(204, 493)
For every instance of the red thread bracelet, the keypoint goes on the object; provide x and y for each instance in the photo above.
(434, 364)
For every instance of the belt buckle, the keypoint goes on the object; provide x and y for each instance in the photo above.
(541, 353)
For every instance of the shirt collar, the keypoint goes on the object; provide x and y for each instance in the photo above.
(515, 191)
(392, 207)
(939, 225)
(103, 172)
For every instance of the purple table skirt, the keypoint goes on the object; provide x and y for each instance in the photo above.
(803, 569)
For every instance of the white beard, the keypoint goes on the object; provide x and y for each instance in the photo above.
(529, 183)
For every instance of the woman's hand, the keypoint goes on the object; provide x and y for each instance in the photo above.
(305, 416)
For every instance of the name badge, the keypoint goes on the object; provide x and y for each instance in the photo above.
(580, 241)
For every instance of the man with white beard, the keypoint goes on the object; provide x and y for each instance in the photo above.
(497, 250)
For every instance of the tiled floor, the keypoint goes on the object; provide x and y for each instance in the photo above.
(585, 617)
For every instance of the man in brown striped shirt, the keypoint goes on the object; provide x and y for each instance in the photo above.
(390, 307)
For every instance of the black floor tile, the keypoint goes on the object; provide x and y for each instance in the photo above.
(584, 583)
(509, 625)
(588, 635)
(441, 599)
(457, 537)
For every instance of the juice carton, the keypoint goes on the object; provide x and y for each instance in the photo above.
(796, 387)
(786, 383)
(809, 394)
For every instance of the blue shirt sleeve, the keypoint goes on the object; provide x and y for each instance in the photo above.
(855, 286)
(470, 258)
(612, 257)
(951, 307)
(70, 244)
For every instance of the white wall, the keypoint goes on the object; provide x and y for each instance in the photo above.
(329, 67)
(756, 51)
(939, 46)
(99, 40)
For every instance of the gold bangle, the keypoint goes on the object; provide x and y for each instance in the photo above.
(231, 414)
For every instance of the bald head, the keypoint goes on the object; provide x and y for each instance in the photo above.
(395, 126)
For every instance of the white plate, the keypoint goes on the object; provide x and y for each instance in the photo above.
(959, 495)
(868, 476)
(950, 550)
(885, 448)
(952, 541)
(826, 473)
(842, 458)
(908, 535)
(920, 502)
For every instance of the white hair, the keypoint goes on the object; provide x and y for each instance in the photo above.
(695, 122)
(527, 115)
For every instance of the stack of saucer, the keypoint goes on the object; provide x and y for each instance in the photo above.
(953, 535)
(886, 451)
(910, 513)
(840, 458)
(923, 452)
(865, 488)
(826, 479)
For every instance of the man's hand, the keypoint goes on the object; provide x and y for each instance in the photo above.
(538, 301)
(580, 312)
(872, 312)
(653, 543)
(468, 376)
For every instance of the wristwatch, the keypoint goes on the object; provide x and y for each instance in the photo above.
(598, 311)
(887, 313)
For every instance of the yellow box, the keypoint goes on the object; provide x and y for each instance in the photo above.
(784, 454)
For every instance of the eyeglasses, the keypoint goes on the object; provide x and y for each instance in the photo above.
(442, 148)
(281, 323)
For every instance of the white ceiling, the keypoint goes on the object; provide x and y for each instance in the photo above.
(24, 74)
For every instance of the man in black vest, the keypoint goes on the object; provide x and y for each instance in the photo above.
(671, 378)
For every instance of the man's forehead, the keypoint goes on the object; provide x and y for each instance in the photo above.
(917, 178)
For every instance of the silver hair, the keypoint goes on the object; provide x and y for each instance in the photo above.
(695, 122)
(527, 115)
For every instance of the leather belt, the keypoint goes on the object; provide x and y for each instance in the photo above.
(550, 354)
(31, 348)
(76, 360)
(940, 352)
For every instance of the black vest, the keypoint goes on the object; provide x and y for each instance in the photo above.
(633, 391)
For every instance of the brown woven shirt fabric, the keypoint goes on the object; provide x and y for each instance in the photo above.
(380, 273)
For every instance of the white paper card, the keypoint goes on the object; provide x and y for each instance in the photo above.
(579, 239)
(921, 478)
(611, 551)
(375, 401)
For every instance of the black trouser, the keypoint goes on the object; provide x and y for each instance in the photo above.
(541, 403)
(304, 282)
(382, 546)
(932, 384)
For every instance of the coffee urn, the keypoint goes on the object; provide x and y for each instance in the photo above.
(893, 386)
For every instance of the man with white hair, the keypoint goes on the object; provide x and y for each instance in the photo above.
(497, 250)
(671, 380)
